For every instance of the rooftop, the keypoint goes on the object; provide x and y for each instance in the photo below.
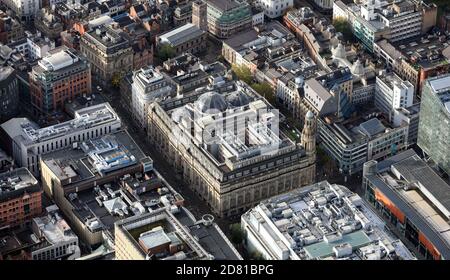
(94, 158)
(53, 227)
(229, 149)
(17, 182)
(323, 221)
(5, 72)
(58, 60)
(441, 86)
(362, 127)
(22, 129)
(419, 193)
(223, 5)
(181, 34)
(201, 239)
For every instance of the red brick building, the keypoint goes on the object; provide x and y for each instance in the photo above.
(20, 198)
(61, 76)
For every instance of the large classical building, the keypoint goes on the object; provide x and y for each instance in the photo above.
(108, 52)
(59, 77)
(434, 124)
(226, 146)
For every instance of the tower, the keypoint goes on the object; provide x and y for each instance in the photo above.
(308, 140)
(199, 14)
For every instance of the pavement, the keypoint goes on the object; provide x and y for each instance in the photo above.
(194, 204)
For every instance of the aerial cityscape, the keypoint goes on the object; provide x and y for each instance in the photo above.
(246, 130)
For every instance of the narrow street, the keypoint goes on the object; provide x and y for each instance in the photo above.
(197, 206)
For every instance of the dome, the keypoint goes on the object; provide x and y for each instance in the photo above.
(339, 51)
(211, 102)
(310, 115)
(358, 68)
(180, 113)
(238, 99)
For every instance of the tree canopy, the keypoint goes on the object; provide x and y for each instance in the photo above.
(343, 26)
(237, 235)
(243, 73)
(166, 52)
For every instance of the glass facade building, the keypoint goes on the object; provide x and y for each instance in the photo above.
(434, 124)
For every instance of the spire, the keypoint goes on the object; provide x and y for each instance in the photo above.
(308, 139)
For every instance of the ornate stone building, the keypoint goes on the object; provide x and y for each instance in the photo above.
(227, 148)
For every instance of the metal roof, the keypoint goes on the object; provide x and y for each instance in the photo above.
(432, 235)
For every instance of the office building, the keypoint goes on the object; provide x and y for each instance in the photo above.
(110, 181)
(163, 235)
(26, 141)
(413, 199)
(108, 52)
(391, 92)
(9, 93)
(84, 183)
(57, 240)
(10, 29)
(322, 221)
(434, 123)
(149, 85)
(48, 237)
(227, 17)
(23, 9)
(20, 198)
(229, 162)
(59, 77)
(372, 20)
(274, 8)
(48, 24)
(354, 140)
(416, 60)
(187, 38)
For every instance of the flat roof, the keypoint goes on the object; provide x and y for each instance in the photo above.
(223, 5)
(422, 225)
(440, 83)
(181, 34)
(324, 249)
(415, 170)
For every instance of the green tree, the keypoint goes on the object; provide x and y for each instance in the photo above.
(237, 234)
(243, 73)
(116, 79)
(257, 256)
(265, 90)
(343, 26)
(166, 52)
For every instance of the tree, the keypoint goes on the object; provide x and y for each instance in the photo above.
(243, 73)
(265, 90)
(343, 26)
(166, 52)
(237, 234)
(116, 79)
(257, 256)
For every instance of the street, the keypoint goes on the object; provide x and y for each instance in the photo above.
(193, 203)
